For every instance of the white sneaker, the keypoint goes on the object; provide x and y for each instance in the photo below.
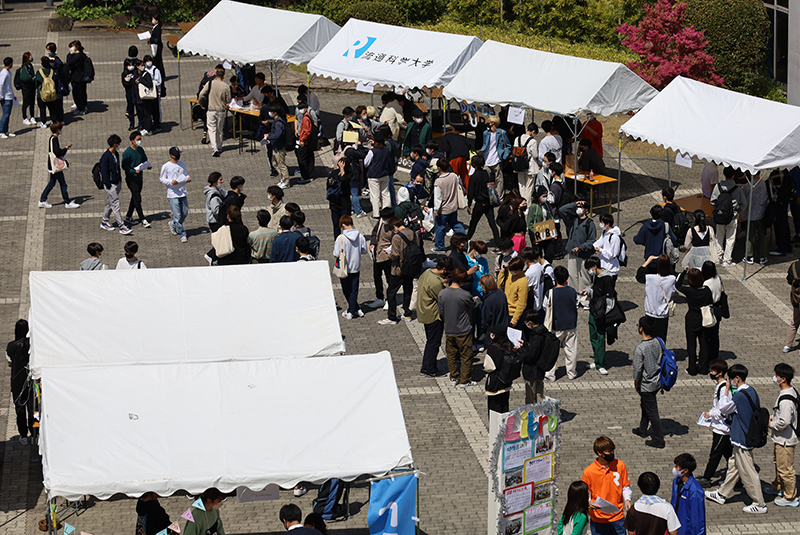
(45, 204)
(184, 239)
(11, 135)
(346, 315)
(376, 304)
(592, 365)
(728, 264)
(386, 305)
(145, 223)
(124, 230)
(299, 490)
(602, 371)
(172, 228)
(3, 136)
(449, 233)
(360, 313)
(71, 204)
(283, 185)
(74, 107)
(26, 122)
(208, 259)
(786, 349)
(42, 125)
(755, 509)
(106, 226)
(715, 496)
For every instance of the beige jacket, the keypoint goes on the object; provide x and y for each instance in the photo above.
(219, 95)
(393, 115)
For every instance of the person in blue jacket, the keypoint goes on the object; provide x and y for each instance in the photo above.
(496, 150)
(688, 498)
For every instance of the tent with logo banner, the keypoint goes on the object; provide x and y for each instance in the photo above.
(586, 87)
(178, 379)
(716, 124)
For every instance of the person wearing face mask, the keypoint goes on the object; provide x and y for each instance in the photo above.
(277, 142)
(720, 425)
(133, 158)
(688, 499)
(363, 118)
(602, 289)
(607, 478)
(112, 183)
(609, 246)
(540, 212)
(646, 371)
(215, 196)
(79, 76)
(582, 234)
(128, 77)
(207, 522)
(276, 206)
(143, 108)
(153, 106)
(348, 116)
(544, 177)
(495, 364)
(740, 407)
(93, 263)
(551, 143)
(418, 133)
(130, 261)
(783, 426)
(62, 78)
(175, 175)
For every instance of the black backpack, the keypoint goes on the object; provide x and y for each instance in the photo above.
(289, 137)
(412, 216)
(723, 210)
(413, 258)
(550, 348)
(313, 243)
(510, 367)
(546, 281)
(623, 252)
(88, 70)
(796, 402)
(680, 226)
(519, 157)
(17, 80)
(757, 432)
(97, 176)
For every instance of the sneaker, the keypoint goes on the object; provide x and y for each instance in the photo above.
(145, 223)
(216, 153)
(387, 321)
(602, 371)
(42, 125)
(131, 222)
(172, 228)
(715, 496)
(45, 204)
(749, 260)
(283, 185)
(74, 107)
(71, 204)
(27, 121)
(755, 509)
(386, 305)
(427, 374)
(786, 349)
(592, 366)
(11, 135)
(653, 443)
(3, 136)
(208, 258)
(449, 233)
(346, 315)
(762, 260)
(124, 230)
(638, 432)
(770, 491)
(378, 303)
(106, 226)
(375, 218)
(783, 502)
(360, 313)
(405, 318)
(184, 239)
(144, 132)
(302, 181)
(435, 250)
(705, 483)
(299, 490)
(23, 440)
(361, 214)
(471, 383)
(728, 264)
(453, 382)
(550, 379)
(776, 253)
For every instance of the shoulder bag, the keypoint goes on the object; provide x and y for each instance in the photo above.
(340, 266)
(146, 93)
(222, 242)
(57, 165)
(709, 320)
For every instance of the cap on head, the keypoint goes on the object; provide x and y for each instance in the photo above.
(174, 151)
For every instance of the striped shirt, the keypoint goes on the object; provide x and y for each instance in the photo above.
(260, 242)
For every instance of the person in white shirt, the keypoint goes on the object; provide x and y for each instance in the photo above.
(527, 178)
(720, 425)
(551, 142)
(7, 97)
(129, 261)
(392, 115)
(175, 176)
(609, 246)
(496, 149)
(255, 93)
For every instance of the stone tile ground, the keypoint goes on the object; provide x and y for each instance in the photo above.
(446, 427)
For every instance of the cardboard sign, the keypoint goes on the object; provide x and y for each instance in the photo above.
(546, 230)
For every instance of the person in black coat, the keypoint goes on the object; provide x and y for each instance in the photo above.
(22, 392)
(478, 198)
(234, 197)
(534, 363)
(76, 63)
(156, 49)
(338, 192)
(291, 517)
(239, 234)
(151, 516)
(697, 296)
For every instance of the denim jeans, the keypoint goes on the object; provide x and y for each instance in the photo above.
(55, 177)
(440, 224)
(7, 105)
(180, 209)
(608, 528)
(355, 195)
(350, 290)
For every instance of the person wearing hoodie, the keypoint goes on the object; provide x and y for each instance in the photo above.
(659, 287)
(609, 246)
(582, 235)
(93, 263)
(234, 197)
(215, 195)
(380, 240)
(402, 237)
(276, 207)
(354, 246)
(408, 210)
(726, 234)
(653, 233)
(152, 518)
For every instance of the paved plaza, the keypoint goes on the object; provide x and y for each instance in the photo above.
(447, 426)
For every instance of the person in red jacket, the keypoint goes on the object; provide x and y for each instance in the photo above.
(306, 142)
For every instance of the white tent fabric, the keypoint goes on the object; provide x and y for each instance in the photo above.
(720, 126)
(376, 53)
(246, 33)
(193, 426)
(201, 314)
(585, 86)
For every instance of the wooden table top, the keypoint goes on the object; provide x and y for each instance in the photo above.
(599, 180)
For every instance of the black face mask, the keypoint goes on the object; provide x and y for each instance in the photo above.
(608, 457)
(128, 255)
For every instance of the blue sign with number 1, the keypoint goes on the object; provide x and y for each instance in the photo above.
(393, 505)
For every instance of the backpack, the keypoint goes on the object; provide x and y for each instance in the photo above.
(289, 138)
(327, 503)
(519, 157)
(757, 432)
(88, 69)
(413, 258)
(412, 216)
(551, 346)
(47, 92)
(510, 368)
(796, 402)
(680, 226)
(431, 174)
(17, 80)
(546, 281)
(623, 252)
(723, 210)
(669, 248)
(794, 293)
(97, 176)
(669, 367)
(313, 243)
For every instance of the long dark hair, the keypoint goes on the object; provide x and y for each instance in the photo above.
(577, 500)
(700, 220)
(501, 340)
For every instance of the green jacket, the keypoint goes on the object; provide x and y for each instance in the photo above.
(428, 288)
(424, 137)
(538, 213)
(203, 520)
(130, 159)
(27, 75)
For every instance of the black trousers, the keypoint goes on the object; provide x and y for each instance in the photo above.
(795, 208)
(783, 235)
(305, 161)
(498, 402)
(23, 407)
(478, 211)
(151, 107)
(395, 282)
(337, 211)
(649, 405)
(135, 188)
(696, 333)
(433, 342)
(712, 341)
(379, 271)
(49, 108)
(28, 100)
(145, 121)
(79, 95)
(660, 326)
(720, 447)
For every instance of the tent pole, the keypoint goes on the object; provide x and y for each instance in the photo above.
(619, 180)
(444, 112)
(180, 98)
(747, 238)
(430, 108)
(575, 136)
(669, 173)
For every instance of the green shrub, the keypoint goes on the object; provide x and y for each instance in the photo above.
(737, 33)
(374, 12)
(340, 11)
(579, 21)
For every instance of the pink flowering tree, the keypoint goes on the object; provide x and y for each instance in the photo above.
(667, 47)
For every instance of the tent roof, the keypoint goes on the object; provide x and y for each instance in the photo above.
(505, 74)
(381, 54)
(246, 33)
(200, 314)
(228, 424)
(720, 126)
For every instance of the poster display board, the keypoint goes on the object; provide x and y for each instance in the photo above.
(524, 464)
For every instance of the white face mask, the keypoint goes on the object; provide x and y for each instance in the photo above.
(579, 212)
(592, 272)
(418, 120)
(270, 196)
(130, 67)
(363, 117)
(429, 151)
(676, 472)
(775, 380)
(72, 49)
(543, 199)
(138, 142)
(149, 64)
(271, 114)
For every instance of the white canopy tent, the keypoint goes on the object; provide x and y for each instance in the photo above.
(370, 52)
(246, 34)
(586, 87)
(175, 315)
(192, 426)
(717, 125)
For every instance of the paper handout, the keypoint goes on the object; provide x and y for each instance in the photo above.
(144, 36)
(606, 506)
